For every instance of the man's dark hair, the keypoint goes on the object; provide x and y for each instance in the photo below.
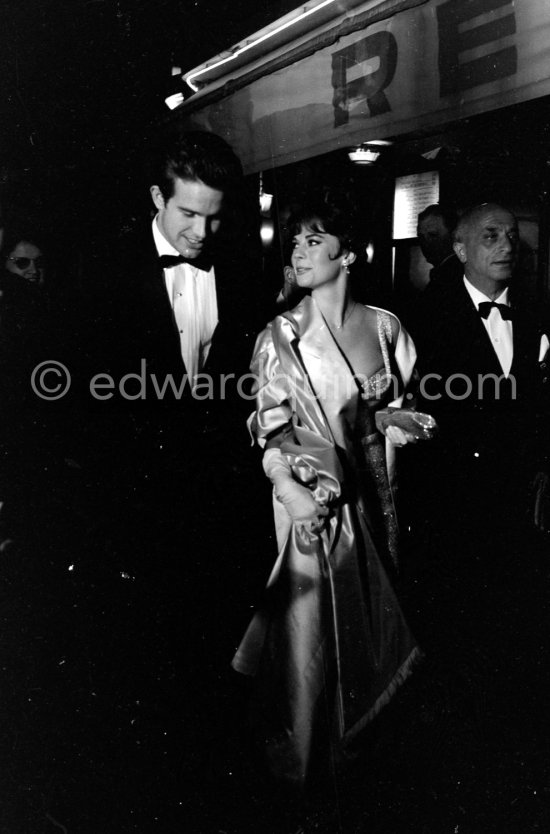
(445, 212)
(196, 155)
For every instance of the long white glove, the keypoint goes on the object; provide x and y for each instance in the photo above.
(297, 500)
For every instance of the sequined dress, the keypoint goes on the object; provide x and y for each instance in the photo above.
(329, 644)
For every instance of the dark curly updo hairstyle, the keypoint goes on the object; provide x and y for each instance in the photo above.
(333, 213)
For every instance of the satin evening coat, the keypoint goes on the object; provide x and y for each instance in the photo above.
(329, 643)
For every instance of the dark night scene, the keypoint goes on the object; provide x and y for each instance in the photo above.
(274, 416)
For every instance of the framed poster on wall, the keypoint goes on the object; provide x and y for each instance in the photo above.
(413, 193)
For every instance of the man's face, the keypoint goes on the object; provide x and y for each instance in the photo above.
(489, 249)
(190, 216)
(434, 239)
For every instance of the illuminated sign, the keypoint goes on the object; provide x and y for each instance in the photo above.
(428, 65)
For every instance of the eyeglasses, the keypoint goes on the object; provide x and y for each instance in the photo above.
(24, 263)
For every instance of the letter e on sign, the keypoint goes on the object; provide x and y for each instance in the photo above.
(478, 26)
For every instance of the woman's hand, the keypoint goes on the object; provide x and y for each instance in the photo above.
(309, 530)
(301, 506)
(298, 501)
(399, 437)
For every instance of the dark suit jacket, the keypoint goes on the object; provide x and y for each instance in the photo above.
(493, 432)
(412, 303)
(140, 306)
(453, 340)
(451, 269)
(135, 333)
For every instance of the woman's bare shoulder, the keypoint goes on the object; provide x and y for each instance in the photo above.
(373, 315)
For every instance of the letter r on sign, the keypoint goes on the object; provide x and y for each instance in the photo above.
(351, 80)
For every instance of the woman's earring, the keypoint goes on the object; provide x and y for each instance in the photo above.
(345, 265)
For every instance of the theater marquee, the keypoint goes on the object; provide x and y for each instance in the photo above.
(436, 62)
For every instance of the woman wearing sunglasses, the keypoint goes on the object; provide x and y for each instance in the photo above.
(24, 312)
(23, 259)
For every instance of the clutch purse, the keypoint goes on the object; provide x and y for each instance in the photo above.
(421, 426)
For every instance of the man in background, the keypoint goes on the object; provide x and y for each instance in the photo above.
(435, 237)
(435, 227)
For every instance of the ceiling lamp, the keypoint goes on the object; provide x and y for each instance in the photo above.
(368, 152)
(174, 100)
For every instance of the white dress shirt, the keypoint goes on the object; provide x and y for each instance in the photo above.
(500, 331)
(192, 295)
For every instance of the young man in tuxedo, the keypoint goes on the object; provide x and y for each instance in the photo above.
(182, 484)
(180, 322)
(184, 277)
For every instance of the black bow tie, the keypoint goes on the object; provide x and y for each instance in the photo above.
(484, 308)
(202, 262)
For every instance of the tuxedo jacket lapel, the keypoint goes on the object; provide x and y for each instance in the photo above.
(156, 326)
(161, 328)
(526, 335)
(145, 320)
(457, 343)
(461, 344)
(481, 354)
(238, 324)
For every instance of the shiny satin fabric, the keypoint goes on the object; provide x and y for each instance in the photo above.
(329, 644)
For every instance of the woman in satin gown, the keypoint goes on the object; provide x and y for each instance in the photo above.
(329, 644)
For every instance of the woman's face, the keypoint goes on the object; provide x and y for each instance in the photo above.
(26, 260)
(316, 257)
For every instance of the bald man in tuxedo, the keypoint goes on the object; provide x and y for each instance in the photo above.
(482, 357)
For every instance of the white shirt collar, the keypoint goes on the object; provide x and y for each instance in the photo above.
(163, 247)
(477, 296)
